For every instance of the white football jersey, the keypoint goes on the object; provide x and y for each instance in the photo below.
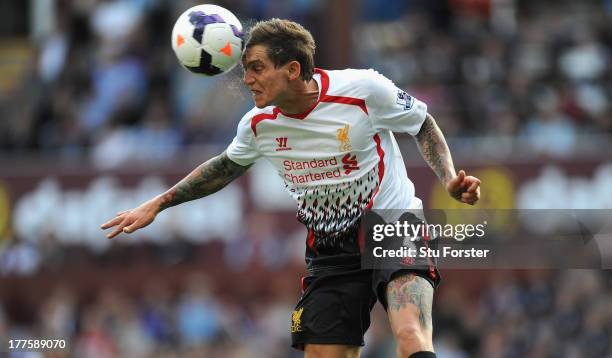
(340, 156)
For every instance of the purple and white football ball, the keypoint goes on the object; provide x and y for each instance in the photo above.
(208, 40)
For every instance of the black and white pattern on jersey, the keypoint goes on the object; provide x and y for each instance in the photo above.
(333, 211)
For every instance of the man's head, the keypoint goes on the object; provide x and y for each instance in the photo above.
(277, 52)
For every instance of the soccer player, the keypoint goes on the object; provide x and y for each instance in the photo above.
(329, 136)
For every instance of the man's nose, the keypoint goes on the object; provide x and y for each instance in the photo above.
(248, 79)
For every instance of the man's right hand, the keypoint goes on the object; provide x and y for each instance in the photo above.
(131, 220)
(204, 180)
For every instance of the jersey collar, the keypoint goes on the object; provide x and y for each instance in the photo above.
(323, 86)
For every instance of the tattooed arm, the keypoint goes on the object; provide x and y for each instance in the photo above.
(434, 150)
(206, 179)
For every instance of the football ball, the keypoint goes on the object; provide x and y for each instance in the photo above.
(207, 40)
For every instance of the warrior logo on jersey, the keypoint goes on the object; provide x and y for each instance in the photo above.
(404, 99)
(343, 137)
(281, 143)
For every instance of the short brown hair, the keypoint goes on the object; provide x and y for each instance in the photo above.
(286, 41)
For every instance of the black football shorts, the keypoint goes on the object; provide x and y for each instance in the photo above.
(335, 308)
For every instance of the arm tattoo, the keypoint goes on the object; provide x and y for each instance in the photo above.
(204, 180)
(411, 289)
(434, 150)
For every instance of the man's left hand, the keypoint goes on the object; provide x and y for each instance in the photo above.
(463, 188)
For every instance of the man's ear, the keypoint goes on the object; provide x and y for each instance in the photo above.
(294, 69)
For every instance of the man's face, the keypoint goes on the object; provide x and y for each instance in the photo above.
(267, 83)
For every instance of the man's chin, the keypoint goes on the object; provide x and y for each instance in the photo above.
(261, 104)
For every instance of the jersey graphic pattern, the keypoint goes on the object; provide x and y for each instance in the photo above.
(333, 211)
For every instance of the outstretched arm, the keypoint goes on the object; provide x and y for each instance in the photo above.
(204, 180)
(208, 178)
(434, 150)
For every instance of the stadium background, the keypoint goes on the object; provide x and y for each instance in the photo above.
(98, 116)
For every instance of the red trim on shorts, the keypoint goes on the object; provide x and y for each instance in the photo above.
(310, 241)
(361, 237)
(381, 168)
(262, 117)
(432, 268)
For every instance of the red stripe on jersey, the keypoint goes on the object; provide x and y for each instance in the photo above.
(338, 99)
(262, 117)
(324, 81)
(323, 97)
(346, 100)
(381, 168)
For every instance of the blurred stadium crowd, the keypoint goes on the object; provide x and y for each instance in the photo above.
(97, 80)
(512, 314)
(103, 80)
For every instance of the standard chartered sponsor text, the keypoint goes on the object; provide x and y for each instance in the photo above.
(330, 170)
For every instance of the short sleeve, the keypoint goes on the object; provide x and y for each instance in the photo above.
(243, 150)
(391, 107)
